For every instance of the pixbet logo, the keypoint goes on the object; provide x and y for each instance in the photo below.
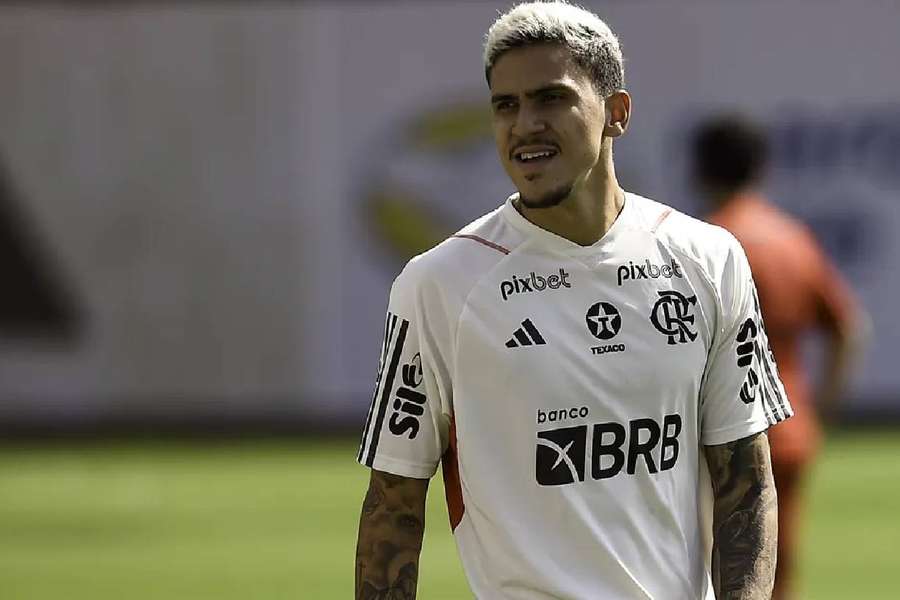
(648, 270)
(533, 283)
(409, 404)
(561, 454)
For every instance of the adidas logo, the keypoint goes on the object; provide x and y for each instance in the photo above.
(526, 335)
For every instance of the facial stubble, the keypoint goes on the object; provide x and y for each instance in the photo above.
(550, 199)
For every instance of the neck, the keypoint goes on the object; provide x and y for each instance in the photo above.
(719, 197)
(588, 212)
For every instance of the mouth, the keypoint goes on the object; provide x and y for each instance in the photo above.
(534, 155)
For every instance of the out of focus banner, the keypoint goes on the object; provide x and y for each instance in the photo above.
(225, 194)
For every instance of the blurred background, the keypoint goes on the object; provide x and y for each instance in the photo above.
(203, 205)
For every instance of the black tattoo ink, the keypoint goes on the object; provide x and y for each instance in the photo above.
(745, 519)
(374, 498)
(391, 528)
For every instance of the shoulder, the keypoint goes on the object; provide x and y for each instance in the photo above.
(711, 250)
(453, 267)
(707, 245)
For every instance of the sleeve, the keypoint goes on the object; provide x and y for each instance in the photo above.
(741, 393)
(406, 430)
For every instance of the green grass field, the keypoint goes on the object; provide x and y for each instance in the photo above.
(277, 520)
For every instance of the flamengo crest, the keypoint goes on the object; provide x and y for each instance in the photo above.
(672, 316)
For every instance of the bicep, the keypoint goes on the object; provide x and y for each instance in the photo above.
(391, 528)
(395, 504)
(383, 486)
(745, 518)
(739, 467)
(392, 523)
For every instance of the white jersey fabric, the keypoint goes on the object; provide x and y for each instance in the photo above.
(569, 391)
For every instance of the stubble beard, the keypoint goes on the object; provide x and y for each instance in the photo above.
(549, 199)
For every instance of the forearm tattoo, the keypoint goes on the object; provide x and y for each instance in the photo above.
(391, 527)
(745, 519)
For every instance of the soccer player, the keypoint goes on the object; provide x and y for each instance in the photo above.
(589, 365)
(799, 291)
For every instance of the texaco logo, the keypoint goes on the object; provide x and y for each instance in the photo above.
(603, 320)
(672, 317)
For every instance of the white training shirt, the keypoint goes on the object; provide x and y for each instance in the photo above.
(569, 391)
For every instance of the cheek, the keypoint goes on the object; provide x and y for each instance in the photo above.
(500, 139)
(590, 134)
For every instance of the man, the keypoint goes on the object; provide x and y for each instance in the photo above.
(577, 358)
(799, 290)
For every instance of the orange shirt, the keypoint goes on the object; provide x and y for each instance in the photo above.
(799, 290)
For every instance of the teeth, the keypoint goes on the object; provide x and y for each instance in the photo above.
(531, 155)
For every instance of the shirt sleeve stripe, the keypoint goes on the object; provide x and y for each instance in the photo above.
(778, 392)
(386, 389)
(768, 406)
(772, 391)
(389, 323)
(773, 394)
(772, 397)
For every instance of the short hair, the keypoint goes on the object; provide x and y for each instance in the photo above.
(730, 151)
(591, 42)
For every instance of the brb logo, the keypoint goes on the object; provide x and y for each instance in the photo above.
(409, 404)
(533, 283)
(672, 316)
(561, 454)
(648, 271)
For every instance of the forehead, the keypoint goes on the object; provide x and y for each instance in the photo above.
(532, 67)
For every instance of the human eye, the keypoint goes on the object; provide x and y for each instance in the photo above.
(504, 105)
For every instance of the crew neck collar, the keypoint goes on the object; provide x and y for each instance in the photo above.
(559, 243)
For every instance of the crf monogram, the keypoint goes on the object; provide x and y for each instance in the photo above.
(671, 316)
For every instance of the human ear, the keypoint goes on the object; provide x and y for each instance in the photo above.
(618, 112)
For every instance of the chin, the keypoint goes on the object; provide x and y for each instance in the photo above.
(545, 199)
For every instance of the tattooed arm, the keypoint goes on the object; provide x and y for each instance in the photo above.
(390, 537)
(745, 519)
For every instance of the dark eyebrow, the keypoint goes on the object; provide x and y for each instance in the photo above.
(495, 98)
(554, 87)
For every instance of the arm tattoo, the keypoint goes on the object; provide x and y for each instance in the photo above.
(404, 587)
(390, 538)
(745, 519)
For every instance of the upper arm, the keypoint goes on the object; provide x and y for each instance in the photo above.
(741, 392)
(745, 518)
(737, 468)
(409, 491)
(395, 504)
(407, 427)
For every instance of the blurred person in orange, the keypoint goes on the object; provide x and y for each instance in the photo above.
(799, 291)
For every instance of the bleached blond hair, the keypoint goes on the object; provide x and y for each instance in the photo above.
(592, 43)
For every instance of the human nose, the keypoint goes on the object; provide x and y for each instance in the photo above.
(528, 122)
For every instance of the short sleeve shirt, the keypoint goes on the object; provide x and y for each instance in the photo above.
(569, 391)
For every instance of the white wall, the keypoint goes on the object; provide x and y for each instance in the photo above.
(203, 174)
